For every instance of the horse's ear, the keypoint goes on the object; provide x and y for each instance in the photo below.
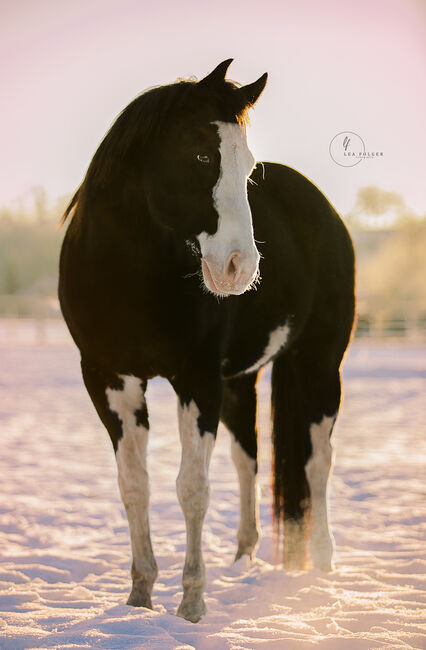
(218, 73)
(252, 92)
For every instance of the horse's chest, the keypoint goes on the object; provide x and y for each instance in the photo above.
(161, 334)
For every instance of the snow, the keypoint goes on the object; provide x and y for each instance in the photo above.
(64, 542)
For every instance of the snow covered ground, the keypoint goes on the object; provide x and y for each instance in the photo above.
(64, 544)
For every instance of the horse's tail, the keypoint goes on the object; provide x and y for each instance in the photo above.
(71, 206)
(290, 451)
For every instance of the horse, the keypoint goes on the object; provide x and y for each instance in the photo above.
(183, 259)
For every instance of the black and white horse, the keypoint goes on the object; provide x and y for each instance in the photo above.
(184, 260)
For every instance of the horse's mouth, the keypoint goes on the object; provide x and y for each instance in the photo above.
(219, 287)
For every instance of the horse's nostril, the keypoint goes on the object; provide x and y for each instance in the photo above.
(233, 264)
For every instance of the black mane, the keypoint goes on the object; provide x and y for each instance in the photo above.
(128, 144)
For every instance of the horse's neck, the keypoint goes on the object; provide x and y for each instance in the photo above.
(136, 242)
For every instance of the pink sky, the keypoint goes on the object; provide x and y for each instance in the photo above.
(69, 67)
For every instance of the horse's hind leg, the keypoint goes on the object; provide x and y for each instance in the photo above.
(120, 403)
(317, 471)
(239, 415)
(305, 400)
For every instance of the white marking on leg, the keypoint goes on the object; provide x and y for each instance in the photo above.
(317, 472)
(134, 486)
(277, 340)
(193, 493)
(235, 227)
(248, 529)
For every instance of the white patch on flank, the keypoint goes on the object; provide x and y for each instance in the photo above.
(235, 228)
(277, 340)
(317, 472)
(131, 459)
(248, 529)
(193, 493)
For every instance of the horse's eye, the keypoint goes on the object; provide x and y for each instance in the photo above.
(203, 159)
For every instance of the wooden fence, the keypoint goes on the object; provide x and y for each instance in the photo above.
(33, 319)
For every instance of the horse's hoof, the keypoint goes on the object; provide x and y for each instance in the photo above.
(242, 551)
(139, 598)
(323, 564)
(247, 540)
(322, 552)
(192, 610)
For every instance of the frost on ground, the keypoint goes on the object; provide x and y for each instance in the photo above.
(64, 543)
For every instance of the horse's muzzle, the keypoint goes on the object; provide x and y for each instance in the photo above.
(232, 278)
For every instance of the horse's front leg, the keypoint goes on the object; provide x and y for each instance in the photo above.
(120, 402)
(198, 419)
(133, 481)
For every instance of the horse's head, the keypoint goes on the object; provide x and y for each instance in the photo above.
(180, 151)
(198, 184)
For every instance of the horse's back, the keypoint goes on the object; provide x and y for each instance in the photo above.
(284, 201)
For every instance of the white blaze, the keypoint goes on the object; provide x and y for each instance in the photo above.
(235, 228)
